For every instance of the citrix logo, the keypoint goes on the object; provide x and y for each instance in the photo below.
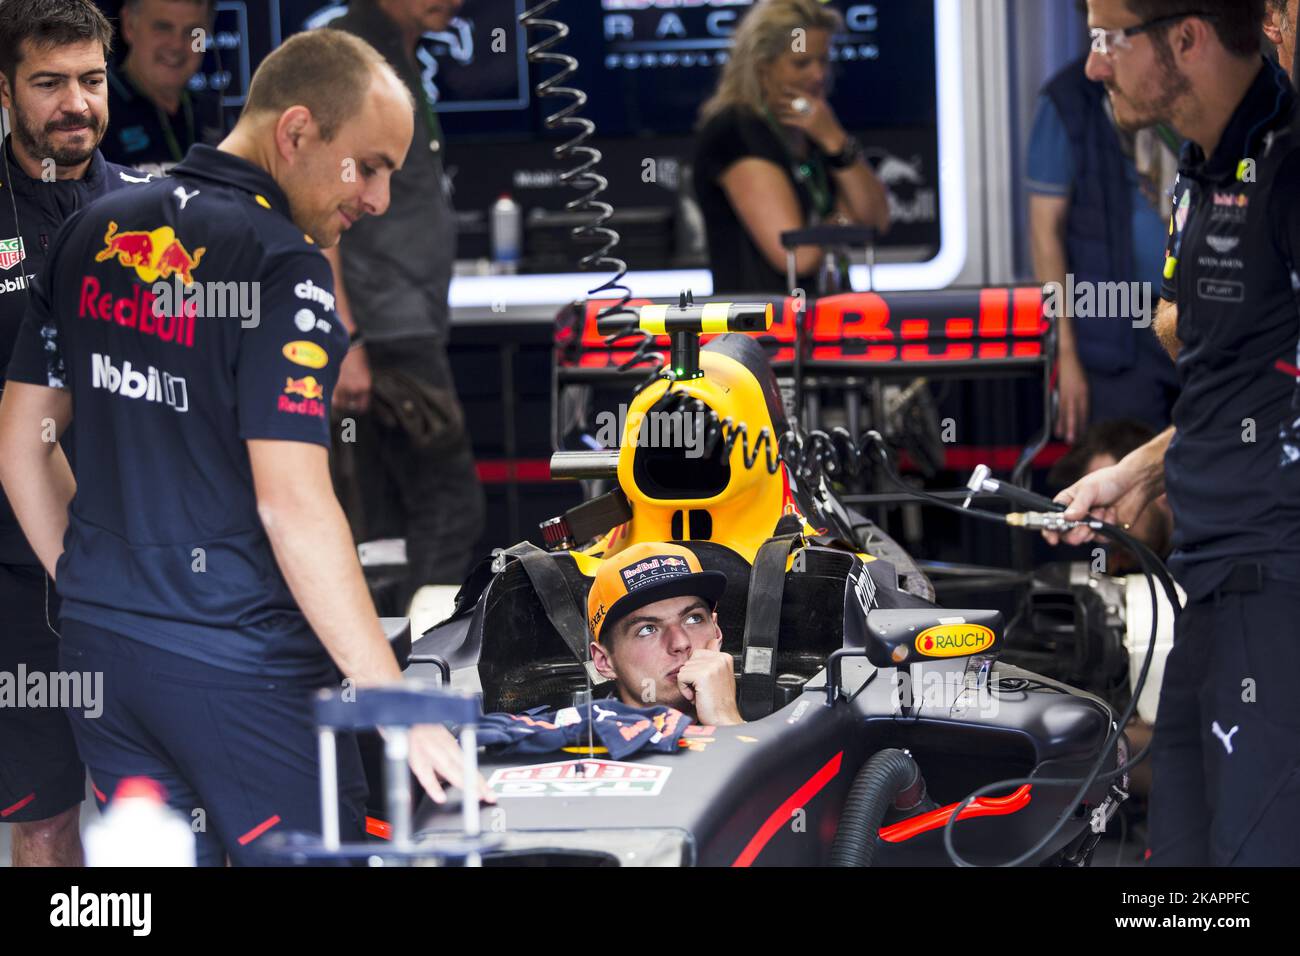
(13, 285)
(313, 293)
(151, 385)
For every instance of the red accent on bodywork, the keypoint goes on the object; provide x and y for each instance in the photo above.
(982, 807)
(258, 830)
(781, 815)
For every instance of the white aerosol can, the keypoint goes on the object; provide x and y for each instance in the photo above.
(507, 233)
(139, 829)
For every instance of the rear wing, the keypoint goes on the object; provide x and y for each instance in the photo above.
(853, 339)
(957, 333)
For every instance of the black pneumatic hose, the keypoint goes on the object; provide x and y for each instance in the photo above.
(874, 790)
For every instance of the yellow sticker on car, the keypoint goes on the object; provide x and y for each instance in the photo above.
(954, 640)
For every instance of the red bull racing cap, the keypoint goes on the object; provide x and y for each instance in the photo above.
(646, 573)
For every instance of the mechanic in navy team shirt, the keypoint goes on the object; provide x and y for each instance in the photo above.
(656, 635)
(52, 82)
(1226, 749)
(156, 116)
(205, 565)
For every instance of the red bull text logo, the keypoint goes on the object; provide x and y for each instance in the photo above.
(137, 311)
(154, 254)
(641, 567)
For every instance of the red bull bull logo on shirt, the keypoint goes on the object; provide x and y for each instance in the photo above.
(153, 254)
(311, 393)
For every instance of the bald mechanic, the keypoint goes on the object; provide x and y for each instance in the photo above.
(1226, 750)
(205, 566)
(651, 612)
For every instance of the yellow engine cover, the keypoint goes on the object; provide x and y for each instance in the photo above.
(745, 512)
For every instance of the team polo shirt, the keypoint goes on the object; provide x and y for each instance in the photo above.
(1233, 470)
(31, 212)
(186, 317)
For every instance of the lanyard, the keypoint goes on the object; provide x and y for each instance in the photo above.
(811, 172)
(1169, 138)
(431, 117)
(165, 122)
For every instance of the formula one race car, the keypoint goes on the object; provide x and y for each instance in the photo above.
(871, 712)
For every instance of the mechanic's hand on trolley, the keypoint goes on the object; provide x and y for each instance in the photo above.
(352, 393)
(708, 679)
(1072, 390)
(1115, 494)
(436, 758)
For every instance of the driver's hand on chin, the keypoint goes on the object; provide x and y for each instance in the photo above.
(708, 681)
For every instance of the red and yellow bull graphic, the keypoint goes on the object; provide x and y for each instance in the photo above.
(153, 254)
(306, 387)
(311, 394)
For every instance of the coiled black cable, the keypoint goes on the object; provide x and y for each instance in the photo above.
(585, 177)
(725, 431)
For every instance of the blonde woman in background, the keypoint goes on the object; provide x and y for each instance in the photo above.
(771, 154)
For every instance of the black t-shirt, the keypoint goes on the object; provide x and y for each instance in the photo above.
(164, 543)
(143, 135)
(730, 136)
(1233, 469)
(31, 213)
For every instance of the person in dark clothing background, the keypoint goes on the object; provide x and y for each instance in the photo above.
(1104, 444)
(392, 275)
(156, 117)
(1279, 27)
(1099, 210)
(52, 67)
(771, 155)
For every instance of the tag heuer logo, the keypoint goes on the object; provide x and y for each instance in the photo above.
(580, 778)
(11, 252)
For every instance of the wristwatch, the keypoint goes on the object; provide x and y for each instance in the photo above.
(847, 156)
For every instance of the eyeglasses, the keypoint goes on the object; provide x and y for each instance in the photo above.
(1106, 41)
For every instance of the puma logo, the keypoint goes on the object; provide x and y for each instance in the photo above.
(1226, 738)
(134, 179)
(603, 712)
(180, 193)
